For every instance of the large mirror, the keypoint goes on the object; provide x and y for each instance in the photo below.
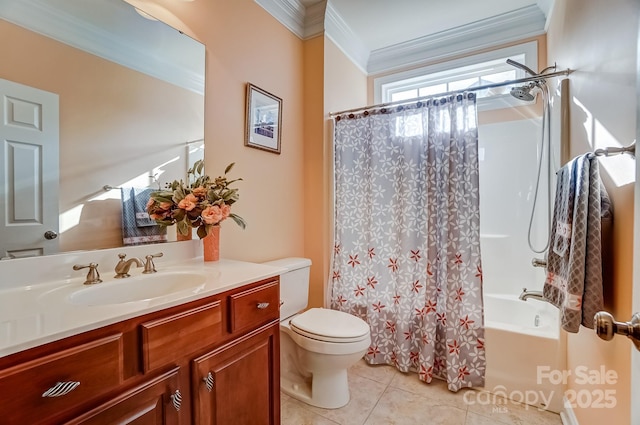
(124, 93)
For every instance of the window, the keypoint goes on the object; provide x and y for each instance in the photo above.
(460, 74)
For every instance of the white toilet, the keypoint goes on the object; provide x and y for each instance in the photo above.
(317, 346)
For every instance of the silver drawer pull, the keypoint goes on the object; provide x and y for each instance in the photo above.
(208, 381)
(60, 389)
(176, 400)
(262, 306)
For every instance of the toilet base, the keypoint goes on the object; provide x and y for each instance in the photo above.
(328, 391)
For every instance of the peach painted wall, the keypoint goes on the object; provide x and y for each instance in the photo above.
(246, 44)
(115, 124)
(598, 40)
(345, 88)
(316, 217)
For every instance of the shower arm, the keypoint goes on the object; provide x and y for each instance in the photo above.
(522, 67)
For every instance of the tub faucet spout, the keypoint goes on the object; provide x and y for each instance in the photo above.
(536, 295)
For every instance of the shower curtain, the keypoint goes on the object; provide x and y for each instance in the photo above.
(407, 245)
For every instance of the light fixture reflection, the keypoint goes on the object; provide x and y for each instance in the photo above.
(144, 14)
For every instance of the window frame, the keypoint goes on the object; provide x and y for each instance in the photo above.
(419, 77)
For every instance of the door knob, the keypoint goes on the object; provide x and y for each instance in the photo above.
(50, 234)
(606, 327)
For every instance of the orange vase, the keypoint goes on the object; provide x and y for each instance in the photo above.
(211, 245)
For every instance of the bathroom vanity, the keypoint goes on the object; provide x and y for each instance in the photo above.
(208, 355)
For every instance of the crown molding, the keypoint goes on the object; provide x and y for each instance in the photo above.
(309, 22)
(343, 36)
(314, 20)
(67, 29)
(512, 26)
(290, 13)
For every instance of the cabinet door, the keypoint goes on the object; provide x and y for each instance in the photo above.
(239, 383)
(156, 402)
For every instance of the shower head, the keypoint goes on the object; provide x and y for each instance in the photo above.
(523, 92)
(522, 67)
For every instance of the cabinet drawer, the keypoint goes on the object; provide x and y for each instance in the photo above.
(36, 391)
(151, 402)
(165, 340)
(253, 307)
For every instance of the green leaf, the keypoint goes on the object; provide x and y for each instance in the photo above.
(179, 214)
(183, 228)
(229, 167)
(165, 223)
(239, 220)
(202, 231)
(200, 166)
(232, 194)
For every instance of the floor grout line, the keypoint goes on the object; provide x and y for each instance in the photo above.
(377, 401)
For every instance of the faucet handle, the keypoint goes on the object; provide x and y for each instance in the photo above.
(93, 276)
(149, 266)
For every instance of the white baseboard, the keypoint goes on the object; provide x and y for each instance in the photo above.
(567, 416)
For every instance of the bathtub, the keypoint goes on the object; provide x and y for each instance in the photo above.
(523, 345)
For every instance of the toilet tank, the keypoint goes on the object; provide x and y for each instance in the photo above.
(294, 285)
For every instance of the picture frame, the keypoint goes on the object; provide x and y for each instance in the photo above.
(263, 120)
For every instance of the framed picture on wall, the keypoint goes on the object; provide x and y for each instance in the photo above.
(264, 120)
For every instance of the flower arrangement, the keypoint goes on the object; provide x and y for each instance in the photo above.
(201, 203)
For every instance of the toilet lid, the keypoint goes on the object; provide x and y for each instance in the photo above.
(330, 325)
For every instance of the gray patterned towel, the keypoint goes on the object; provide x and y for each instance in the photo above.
(132, 234)
(574, 261)
(140, 198)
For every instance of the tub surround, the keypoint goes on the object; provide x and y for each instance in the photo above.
(34, 309)
(523, 341)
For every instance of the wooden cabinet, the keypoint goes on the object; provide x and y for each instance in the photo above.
(220, 379)
(44, 387)
(210, 361)
(187, 331)
(151, 403)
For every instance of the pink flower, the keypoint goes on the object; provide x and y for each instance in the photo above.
(188, 202)
(212, 215)
(159, 215)
(226, 210)
(200, 192)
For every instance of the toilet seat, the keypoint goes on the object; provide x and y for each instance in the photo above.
(330, 326)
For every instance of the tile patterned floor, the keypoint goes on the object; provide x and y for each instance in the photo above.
(380, 395)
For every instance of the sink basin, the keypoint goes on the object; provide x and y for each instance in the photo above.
(138, 288)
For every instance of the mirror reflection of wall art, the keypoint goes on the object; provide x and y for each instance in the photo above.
(264, 120)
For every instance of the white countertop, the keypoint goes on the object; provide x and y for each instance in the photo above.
(32, 315)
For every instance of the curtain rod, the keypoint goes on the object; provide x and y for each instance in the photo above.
(486, 86)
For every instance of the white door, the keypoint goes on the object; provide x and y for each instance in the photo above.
(29, 134)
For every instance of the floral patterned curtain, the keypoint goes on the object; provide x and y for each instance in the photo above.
(407, 241)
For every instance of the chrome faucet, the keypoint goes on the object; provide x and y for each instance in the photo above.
(536, 295)
(122, 268)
